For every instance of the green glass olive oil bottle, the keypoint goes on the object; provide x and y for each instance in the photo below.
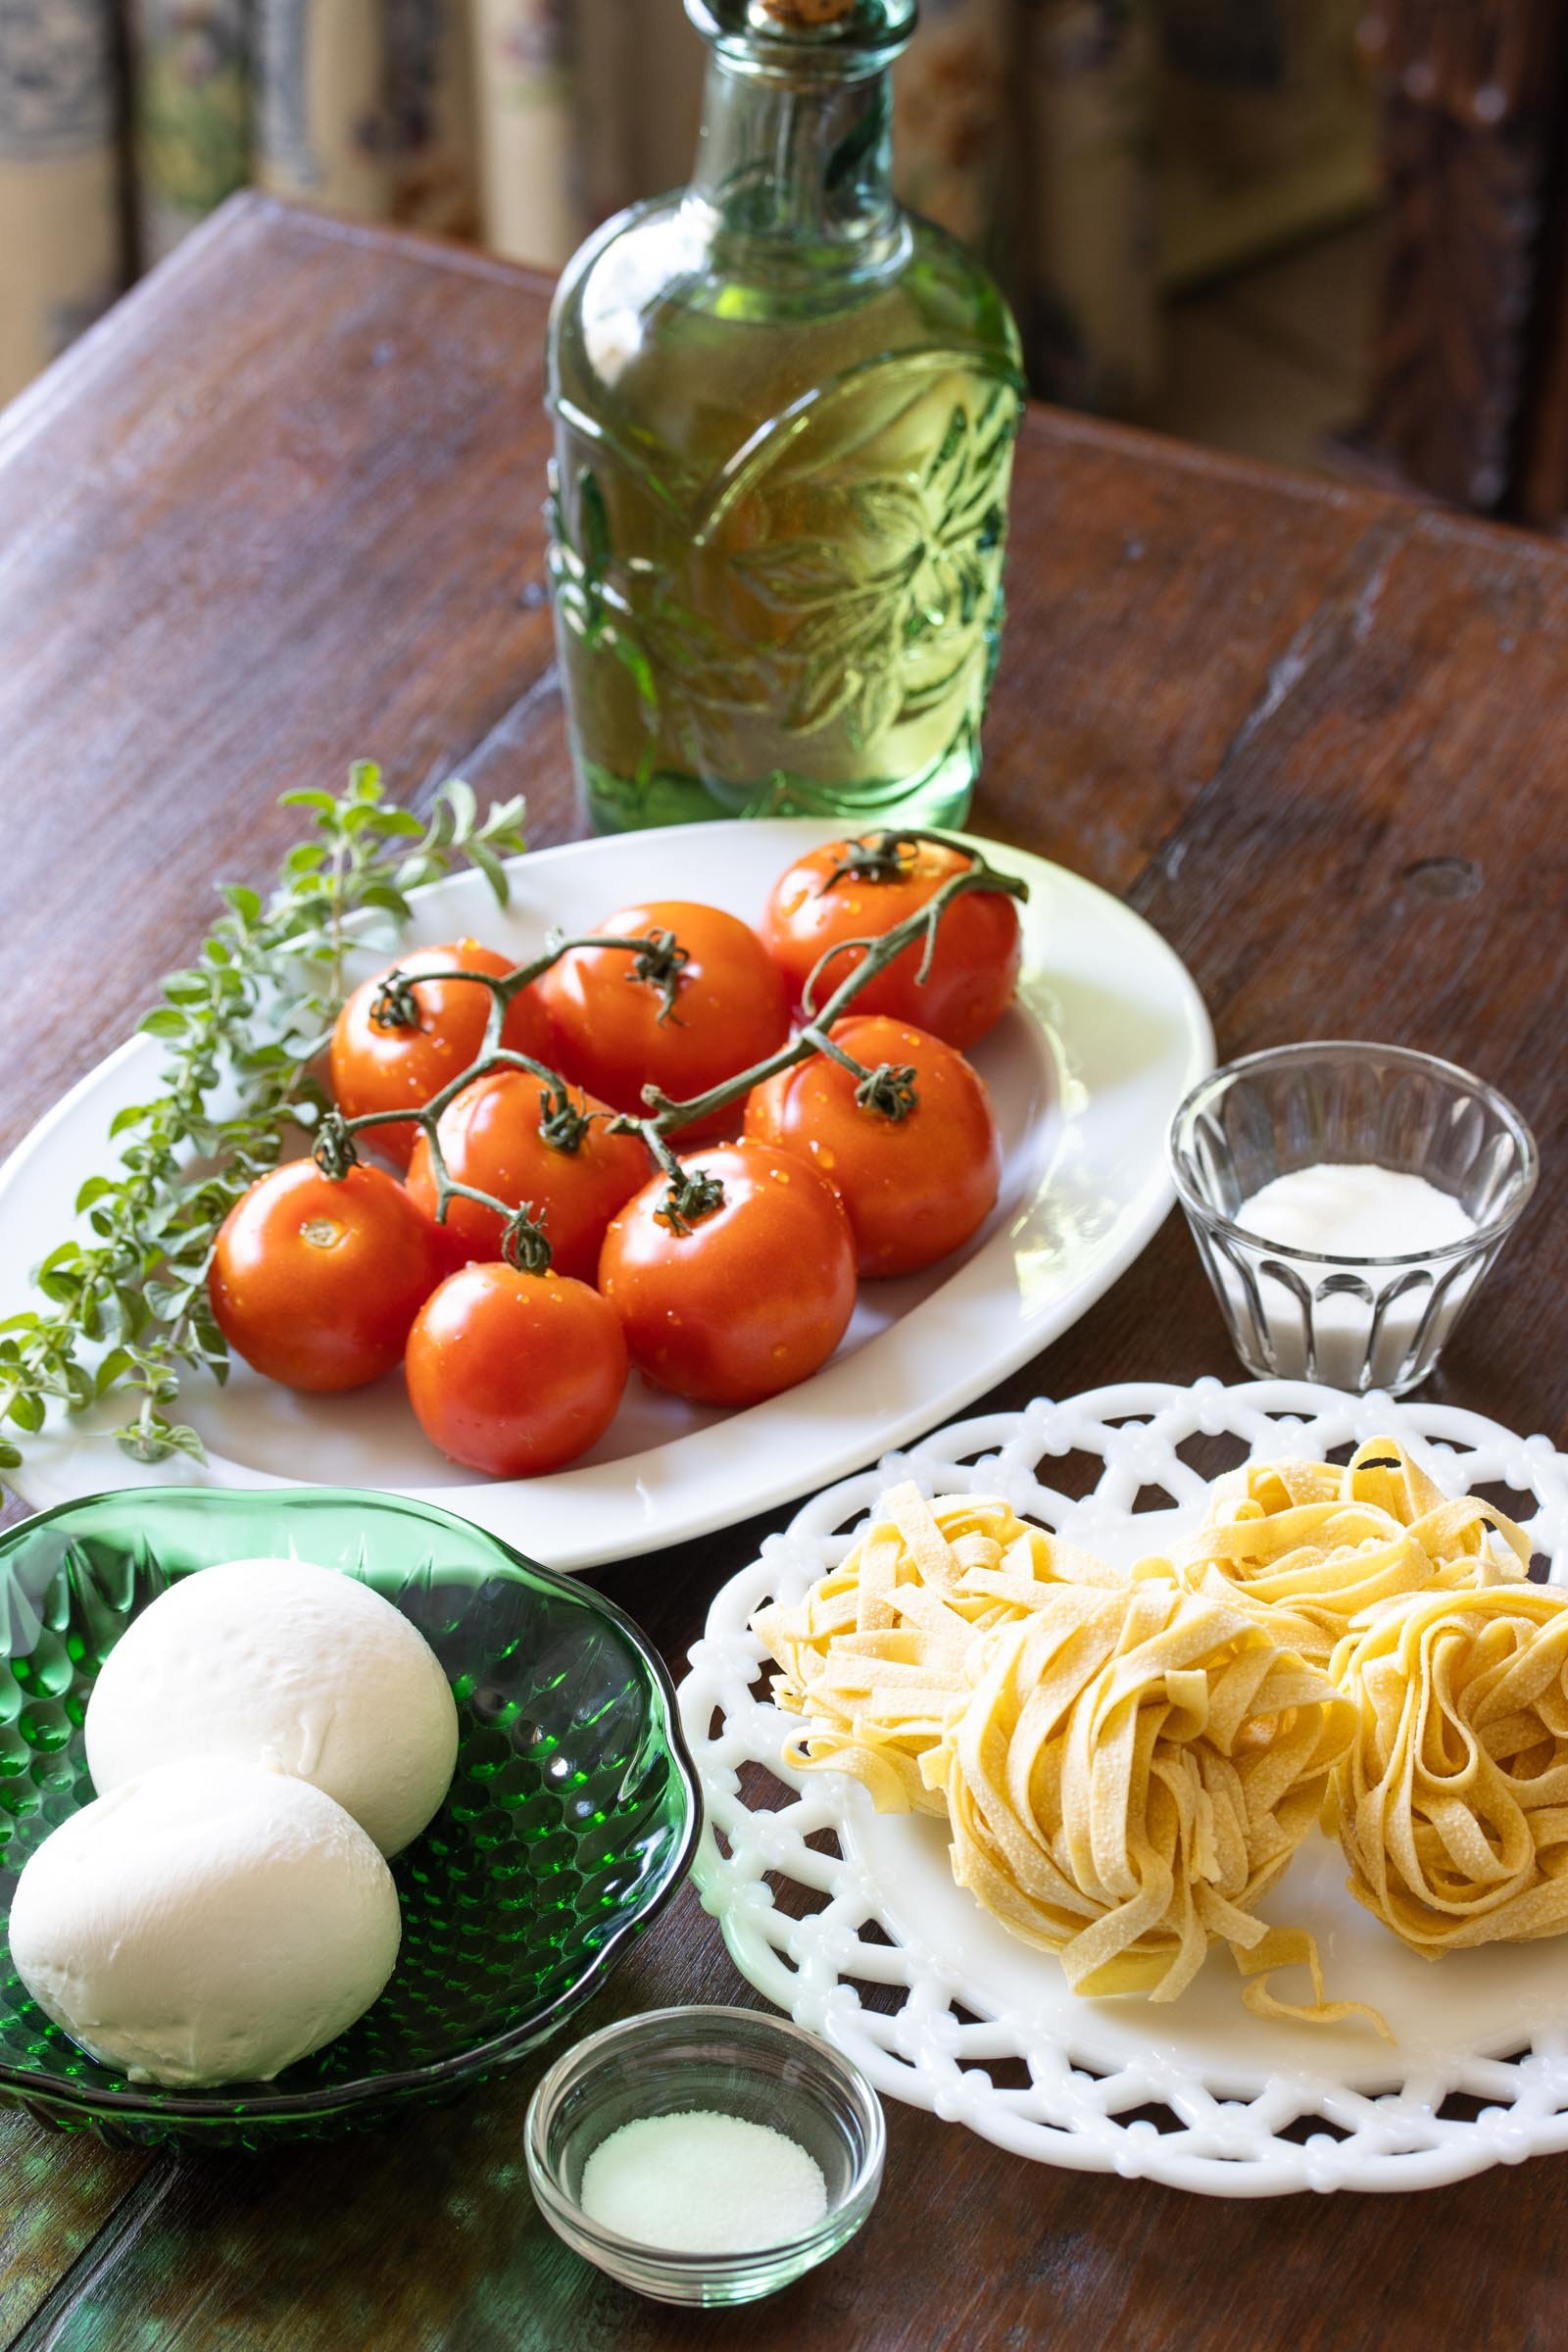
(784, 417)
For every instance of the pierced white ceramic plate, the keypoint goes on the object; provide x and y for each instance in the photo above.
(1244, 2106)
(1085, 1073)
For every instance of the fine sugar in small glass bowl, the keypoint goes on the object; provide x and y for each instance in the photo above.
(714, 2061)
(1351, 1320)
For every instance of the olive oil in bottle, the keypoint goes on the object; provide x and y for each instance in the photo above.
(784, 413)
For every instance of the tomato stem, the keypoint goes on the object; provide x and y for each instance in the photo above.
(884, 856)
(872, 857)
(889, 1089)
(562, 1125)
(523, 1244)
(692, 1193)
(662, 962)
(333, 1151)
(394, 1004)
(813, 1034)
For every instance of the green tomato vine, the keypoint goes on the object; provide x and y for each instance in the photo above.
(694, 1192)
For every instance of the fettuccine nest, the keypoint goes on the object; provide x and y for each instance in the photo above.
(1453, 1801)
(1304, 1548)
(1131, 1772)
(876, 1653)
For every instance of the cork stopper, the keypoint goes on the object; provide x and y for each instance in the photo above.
(844, 36)
(808, 13)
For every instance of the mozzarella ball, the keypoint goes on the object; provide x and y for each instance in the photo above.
(278, 1662)
(210, 1923)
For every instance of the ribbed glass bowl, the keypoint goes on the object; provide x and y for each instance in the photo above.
(571, 1816)
(1352, 1322)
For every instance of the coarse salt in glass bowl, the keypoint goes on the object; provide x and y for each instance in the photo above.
(1354, 1322)
(737, 2062)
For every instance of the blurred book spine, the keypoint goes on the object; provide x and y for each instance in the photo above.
(669, 64)
(535, 207)
(1090, 310)
(191, 112)
(953, 117)
(610, 97)
(60, 226)
(323, 135)
(430, 98)
(1268, 128)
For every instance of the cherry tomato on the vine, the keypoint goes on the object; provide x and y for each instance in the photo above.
(515, 1373)
(497, 1136)
(380, 1065)
(683, 1023)
(974, 966)
(915, 1184)
(316, 1282)
(753, 1297)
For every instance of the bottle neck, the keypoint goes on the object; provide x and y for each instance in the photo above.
(795, 168)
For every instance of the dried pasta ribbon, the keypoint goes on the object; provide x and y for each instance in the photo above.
(1452, 1798)
(1132, 1772)
(1304, 1547)
(1294, 1947)
(875, 1652)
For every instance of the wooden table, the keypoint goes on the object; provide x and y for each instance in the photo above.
(283, 509)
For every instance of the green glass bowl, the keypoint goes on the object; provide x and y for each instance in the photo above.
(571, 1816)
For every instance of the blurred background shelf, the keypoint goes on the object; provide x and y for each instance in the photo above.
(1207, 234)
(1271, 362)
(1279, 226)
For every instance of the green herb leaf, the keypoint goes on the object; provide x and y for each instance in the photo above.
(490, 865)
(165, 1020)
(464, 806)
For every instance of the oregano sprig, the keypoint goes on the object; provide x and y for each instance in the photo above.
(128, 1310)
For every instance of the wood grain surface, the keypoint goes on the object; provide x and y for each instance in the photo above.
(282, 510)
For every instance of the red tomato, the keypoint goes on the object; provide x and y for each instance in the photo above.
(979, 947)
(752, 1298)
(913, 1187)
(316, 1283)
(379, 1066)
(492, 1136)
(611, 1032)
(513, 1373)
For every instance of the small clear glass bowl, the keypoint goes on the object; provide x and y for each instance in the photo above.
(1355, 1323)
(732, 2062)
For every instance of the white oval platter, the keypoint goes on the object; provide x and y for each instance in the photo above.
(1084, 1073)
(981, 2028)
